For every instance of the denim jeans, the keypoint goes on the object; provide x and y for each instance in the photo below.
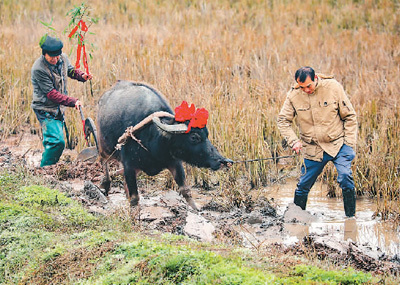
(312, 169)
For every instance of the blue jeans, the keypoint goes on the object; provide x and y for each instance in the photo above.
(312, 169)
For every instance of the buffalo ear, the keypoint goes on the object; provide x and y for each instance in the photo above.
(175, 129)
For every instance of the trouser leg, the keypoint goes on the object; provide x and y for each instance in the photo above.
(310, 172)
(345, 179)
(53, 141)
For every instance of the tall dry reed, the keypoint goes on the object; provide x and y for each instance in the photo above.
(237, 60)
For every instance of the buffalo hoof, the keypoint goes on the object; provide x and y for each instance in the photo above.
(192, 204)
(105, 184)
(134, 201)
(185, 192)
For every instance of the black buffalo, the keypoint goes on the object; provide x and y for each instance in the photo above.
(159, 142)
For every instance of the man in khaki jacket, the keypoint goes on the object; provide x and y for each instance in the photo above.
(328, 132)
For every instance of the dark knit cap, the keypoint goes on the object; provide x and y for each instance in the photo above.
(50, 45)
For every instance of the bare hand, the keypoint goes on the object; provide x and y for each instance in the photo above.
(297, 147)
(87, 76)
(78, 104)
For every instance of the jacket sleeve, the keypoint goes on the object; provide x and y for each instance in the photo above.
(62, 99)
(73, 72)
(349, 117)
(76, 74)
(285, 121)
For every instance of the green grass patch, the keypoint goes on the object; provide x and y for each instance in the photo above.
(19, 250)
(15, 216)
(313, 274)
(150, 262)
(10, 183)
(61, 209)
(42, 196)
(94, 238)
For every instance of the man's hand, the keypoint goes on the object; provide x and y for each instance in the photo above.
(78, 104)
(297, 147)
(87, 76)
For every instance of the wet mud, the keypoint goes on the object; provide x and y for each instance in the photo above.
(259, 225)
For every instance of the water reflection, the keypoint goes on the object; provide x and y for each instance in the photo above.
(350, 229)
(333, 222)
(298, 230)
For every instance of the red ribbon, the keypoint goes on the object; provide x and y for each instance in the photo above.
(81, 46)
(73, 31)
(78, 53)
(198, 118)
(84, 28)
(85, 64)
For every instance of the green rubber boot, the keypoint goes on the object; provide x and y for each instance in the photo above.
(53, 141)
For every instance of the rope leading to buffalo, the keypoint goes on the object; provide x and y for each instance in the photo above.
(129, 133)
(261, 159)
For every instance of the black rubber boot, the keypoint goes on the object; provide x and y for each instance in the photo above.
(349, 202)
(301, 201)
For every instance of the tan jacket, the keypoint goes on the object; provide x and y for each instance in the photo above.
(326, 119)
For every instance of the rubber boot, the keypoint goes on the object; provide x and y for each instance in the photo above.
(53, 141)
(349, 202)
(301, 201)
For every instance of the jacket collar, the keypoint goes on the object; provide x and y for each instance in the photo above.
(318, 83)
(297, 86)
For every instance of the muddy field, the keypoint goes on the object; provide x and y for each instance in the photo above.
(259, 225)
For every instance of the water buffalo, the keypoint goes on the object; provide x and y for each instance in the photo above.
(137, 119)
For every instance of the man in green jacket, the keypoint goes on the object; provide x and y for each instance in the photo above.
(49, 79)
(328, 132)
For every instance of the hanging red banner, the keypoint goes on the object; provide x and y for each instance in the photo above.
(81, 46)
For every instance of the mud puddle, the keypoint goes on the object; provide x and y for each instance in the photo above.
(331, 221)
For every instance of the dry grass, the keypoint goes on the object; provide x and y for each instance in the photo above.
(236, 59)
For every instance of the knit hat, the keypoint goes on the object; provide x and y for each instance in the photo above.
(50, 45)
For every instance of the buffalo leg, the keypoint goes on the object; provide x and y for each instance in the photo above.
(131, 185)
(106, 181)
(178, 173)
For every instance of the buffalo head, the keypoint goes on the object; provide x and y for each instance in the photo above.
(193, 147)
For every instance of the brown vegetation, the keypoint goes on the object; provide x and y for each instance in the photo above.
(234, 58)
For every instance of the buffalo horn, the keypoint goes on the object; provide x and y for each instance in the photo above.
(180, 128)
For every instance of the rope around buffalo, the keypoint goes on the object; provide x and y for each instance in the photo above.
(129, 132)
